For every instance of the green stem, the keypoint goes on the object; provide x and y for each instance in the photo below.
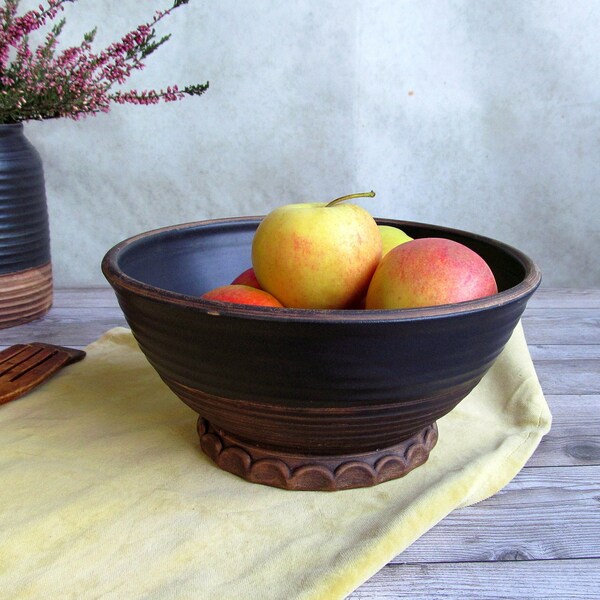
(370, 194)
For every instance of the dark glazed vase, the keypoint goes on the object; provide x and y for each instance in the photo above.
(25, 266)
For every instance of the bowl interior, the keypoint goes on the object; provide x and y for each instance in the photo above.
(193, 258)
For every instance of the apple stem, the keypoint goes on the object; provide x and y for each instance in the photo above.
(370, 194)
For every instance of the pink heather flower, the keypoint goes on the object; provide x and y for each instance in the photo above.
(76, 82)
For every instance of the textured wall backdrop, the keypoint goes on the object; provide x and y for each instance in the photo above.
(477, 115)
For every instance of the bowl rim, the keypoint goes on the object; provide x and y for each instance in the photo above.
(123, 282)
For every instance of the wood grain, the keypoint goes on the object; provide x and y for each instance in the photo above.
(560, 326)
(25, 366)
(540, 580)
(520, 522)
(539, 537)
(575, 435)
(25, 295)
(564, 298)
(86, 297)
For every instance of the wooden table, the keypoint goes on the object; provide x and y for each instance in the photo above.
(537, 538)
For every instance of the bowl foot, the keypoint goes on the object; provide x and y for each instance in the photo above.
(313, 472)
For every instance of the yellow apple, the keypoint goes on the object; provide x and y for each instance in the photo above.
(391, 237)
(317, 255)
(429, 272)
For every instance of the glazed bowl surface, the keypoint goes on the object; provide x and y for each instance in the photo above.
(310, 386)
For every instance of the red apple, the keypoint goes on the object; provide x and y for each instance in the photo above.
(241, 294)
(429, 272)
(248, 277)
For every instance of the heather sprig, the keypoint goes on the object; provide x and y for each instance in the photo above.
(43, 83)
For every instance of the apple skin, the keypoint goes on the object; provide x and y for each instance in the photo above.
(247, 277)
(391, 237)
(429, 272)
(241, 294)
(310, 255)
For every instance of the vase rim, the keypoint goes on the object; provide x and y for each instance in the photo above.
(8, 128)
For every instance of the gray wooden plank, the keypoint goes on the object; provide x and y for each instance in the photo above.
(560, 299)
(553, 298)
(564, 351)
(99, 297)
(574, 438)
(543, 326)
(573, 377)
(534, 580)
(564, 298)
(59, 315)
(546, 512)
(569, 377)
(560, 326)
(65, 327)
(543, 514)
(78, 326)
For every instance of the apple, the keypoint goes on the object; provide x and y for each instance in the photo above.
(241, 294)
(429, 272)
(391, 237)
(317, 255)
(247, 277)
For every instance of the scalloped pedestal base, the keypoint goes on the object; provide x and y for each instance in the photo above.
(312, 472)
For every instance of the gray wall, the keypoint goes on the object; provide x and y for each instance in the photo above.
(481, 115)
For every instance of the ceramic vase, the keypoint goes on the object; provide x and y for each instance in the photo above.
(25, 264)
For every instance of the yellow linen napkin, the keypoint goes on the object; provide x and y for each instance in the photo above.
(104, 492)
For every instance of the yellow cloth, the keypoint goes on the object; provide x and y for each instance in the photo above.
(104, 492)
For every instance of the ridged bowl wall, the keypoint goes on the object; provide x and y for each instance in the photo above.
(307, 383)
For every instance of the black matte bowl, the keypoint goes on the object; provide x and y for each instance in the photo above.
(328, 387)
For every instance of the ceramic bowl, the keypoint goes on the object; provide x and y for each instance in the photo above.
(309, 399)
